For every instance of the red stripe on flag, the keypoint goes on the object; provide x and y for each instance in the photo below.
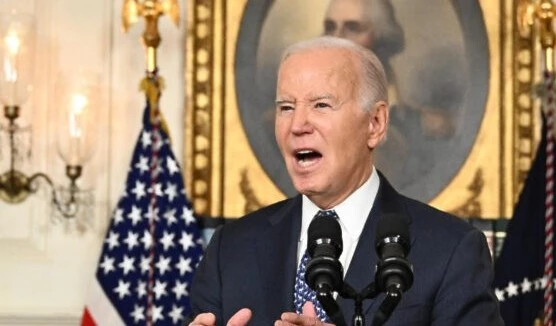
(87, 319)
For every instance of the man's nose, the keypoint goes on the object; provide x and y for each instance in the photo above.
(342, 32)
(301, 123)
(336, 32)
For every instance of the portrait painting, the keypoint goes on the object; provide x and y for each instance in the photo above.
(462, 117)
(438, 74)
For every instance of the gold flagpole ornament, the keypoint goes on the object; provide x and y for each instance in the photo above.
(542, 12)
(151, 10)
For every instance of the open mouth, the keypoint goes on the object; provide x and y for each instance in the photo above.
(307, 157)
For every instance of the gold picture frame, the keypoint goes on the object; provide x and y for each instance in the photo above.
(225, 179)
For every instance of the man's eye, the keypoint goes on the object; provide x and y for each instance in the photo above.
(354, 27)
(285, 108)
(321, 105)
(329, 27)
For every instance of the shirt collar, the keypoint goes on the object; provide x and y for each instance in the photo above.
(352, 212)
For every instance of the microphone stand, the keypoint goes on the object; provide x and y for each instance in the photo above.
(330, 306)
(390, 302)
(393, 297)
(368, 292)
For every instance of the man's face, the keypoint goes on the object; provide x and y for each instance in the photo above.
(346, 19)
(324, 135)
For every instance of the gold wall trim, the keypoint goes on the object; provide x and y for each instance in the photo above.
(252, 203)
(200, 62)
(526, 111)
(472, 206)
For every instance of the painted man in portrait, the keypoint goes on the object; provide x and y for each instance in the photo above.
(405, 155)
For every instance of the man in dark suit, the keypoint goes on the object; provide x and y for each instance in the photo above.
(331, 116)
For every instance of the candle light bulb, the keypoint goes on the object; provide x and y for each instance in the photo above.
(17, 37)
(79, 103)
(13, 43)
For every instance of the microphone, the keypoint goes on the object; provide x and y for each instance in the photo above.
(324, 271)
(392, 247)
(394, 273)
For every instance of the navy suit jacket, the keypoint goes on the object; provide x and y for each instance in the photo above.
(252, 263)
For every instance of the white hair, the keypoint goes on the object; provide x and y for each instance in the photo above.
(372, 84)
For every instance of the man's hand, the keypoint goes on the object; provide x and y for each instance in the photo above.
(307, 318)
(240, 318)
(204, 319)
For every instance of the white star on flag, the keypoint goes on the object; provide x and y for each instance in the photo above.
(176, 314)
(163, 265)
(135, 215)
(188, 216)
(147, 240)
(167, 240)
(171, 191)
(525, 285)
(131, 240)
(170, 216)
(180, 289)
(184, 265)
(146, 139)
(139, 190)
(122, 289)
(107, 264)
(159, 289)
(186, 241)
(141, 289)
(112, 240)
(512, 289)
(143, 164)
(137, 314)
(118, 216)
(172, 166)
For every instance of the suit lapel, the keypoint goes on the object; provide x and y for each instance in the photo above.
(277, 256)
(361, 271)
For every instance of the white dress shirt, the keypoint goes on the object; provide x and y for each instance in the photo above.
(352, 212)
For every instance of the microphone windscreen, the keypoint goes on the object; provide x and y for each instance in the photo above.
(391, 225)
(324, 227)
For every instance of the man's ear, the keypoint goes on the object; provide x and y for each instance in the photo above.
(378, 124)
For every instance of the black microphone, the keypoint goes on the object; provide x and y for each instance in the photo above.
(392, 247)
(394, 273)
(324, 271)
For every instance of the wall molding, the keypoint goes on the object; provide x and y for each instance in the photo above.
(42, 320)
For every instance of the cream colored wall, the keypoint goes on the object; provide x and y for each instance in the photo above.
(45, 268)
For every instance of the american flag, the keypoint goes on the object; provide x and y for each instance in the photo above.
(520, 280)
(152, 245)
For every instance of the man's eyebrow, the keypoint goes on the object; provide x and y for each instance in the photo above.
(321, 97)
(282, 101)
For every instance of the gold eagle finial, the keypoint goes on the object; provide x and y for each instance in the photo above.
(150, 10)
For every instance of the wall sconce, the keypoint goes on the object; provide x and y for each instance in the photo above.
(74, 105)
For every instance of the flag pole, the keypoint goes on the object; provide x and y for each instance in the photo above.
(543, 13)
(547, 44)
